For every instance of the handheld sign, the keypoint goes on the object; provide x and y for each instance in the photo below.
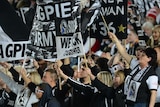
(13, 50)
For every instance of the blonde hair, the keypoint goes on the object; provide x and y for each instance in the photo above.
(105, 77)
(33, 75)
(156, 28)
(121, 75)
(75, 67)
(83, 4)
(5, 71)
(151, 41)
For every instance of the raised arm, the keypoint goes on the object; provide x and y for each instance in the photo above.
(104, 89)
(13, 71)
(66, 68)
(40, 71)
(28, 82)
(24, 76)
(120, 47)
(87, 89)
(12, 85)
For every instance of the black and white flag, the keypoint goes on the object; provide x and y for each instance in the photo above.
(14, 34)
(115, 15)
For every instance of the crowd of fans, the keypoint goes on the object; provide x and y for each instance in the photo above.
(122, 73)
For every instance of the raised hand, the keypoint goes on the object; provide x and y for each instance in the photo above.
(6, 65)
(113, 37)
(35, 63)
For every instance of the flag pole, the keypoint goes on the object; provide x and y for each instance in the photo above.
(23, 64)
(104, 21)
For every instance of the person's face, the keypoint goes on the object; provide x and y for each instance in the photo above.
(42, 64)
(105, 54)
(47, 77)
(116, 80)
(82, 73)
(139, 53)
(156, 35)
(148, 32)
(143, 59)
(75, 74)
(150, 19)
(131, 37)
(39, 92)
(124, 63)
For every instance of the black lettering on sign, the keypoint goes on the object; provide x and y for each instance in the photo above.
(17, 48)
(43, 39)
(76, 40)
(72, 51)
(12, 50)
(69, 42)
(65, 42)
(1, 51)
(9, 50)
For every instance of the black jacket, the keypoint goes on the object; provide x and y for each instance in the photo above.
(119, 97)
(88, 96)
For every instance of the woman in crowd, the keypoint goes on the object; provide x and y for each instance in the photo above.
(7, 97)
(155, 37)
(103, 82)
(142, 82)
(132, 40)
(118, 85)
(25, 98)
(97, 97)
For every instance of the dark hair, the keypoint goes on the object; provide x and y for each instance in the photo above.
(142, 48)
(150, 52)
(102, 63)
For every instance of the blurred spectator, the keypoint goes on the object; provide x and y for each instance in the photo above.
(151, 16)
(133, 41)
(118, 84)
(43, 92)
(155, 40)
(147, 28)
(141, 84)
(24, 96)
